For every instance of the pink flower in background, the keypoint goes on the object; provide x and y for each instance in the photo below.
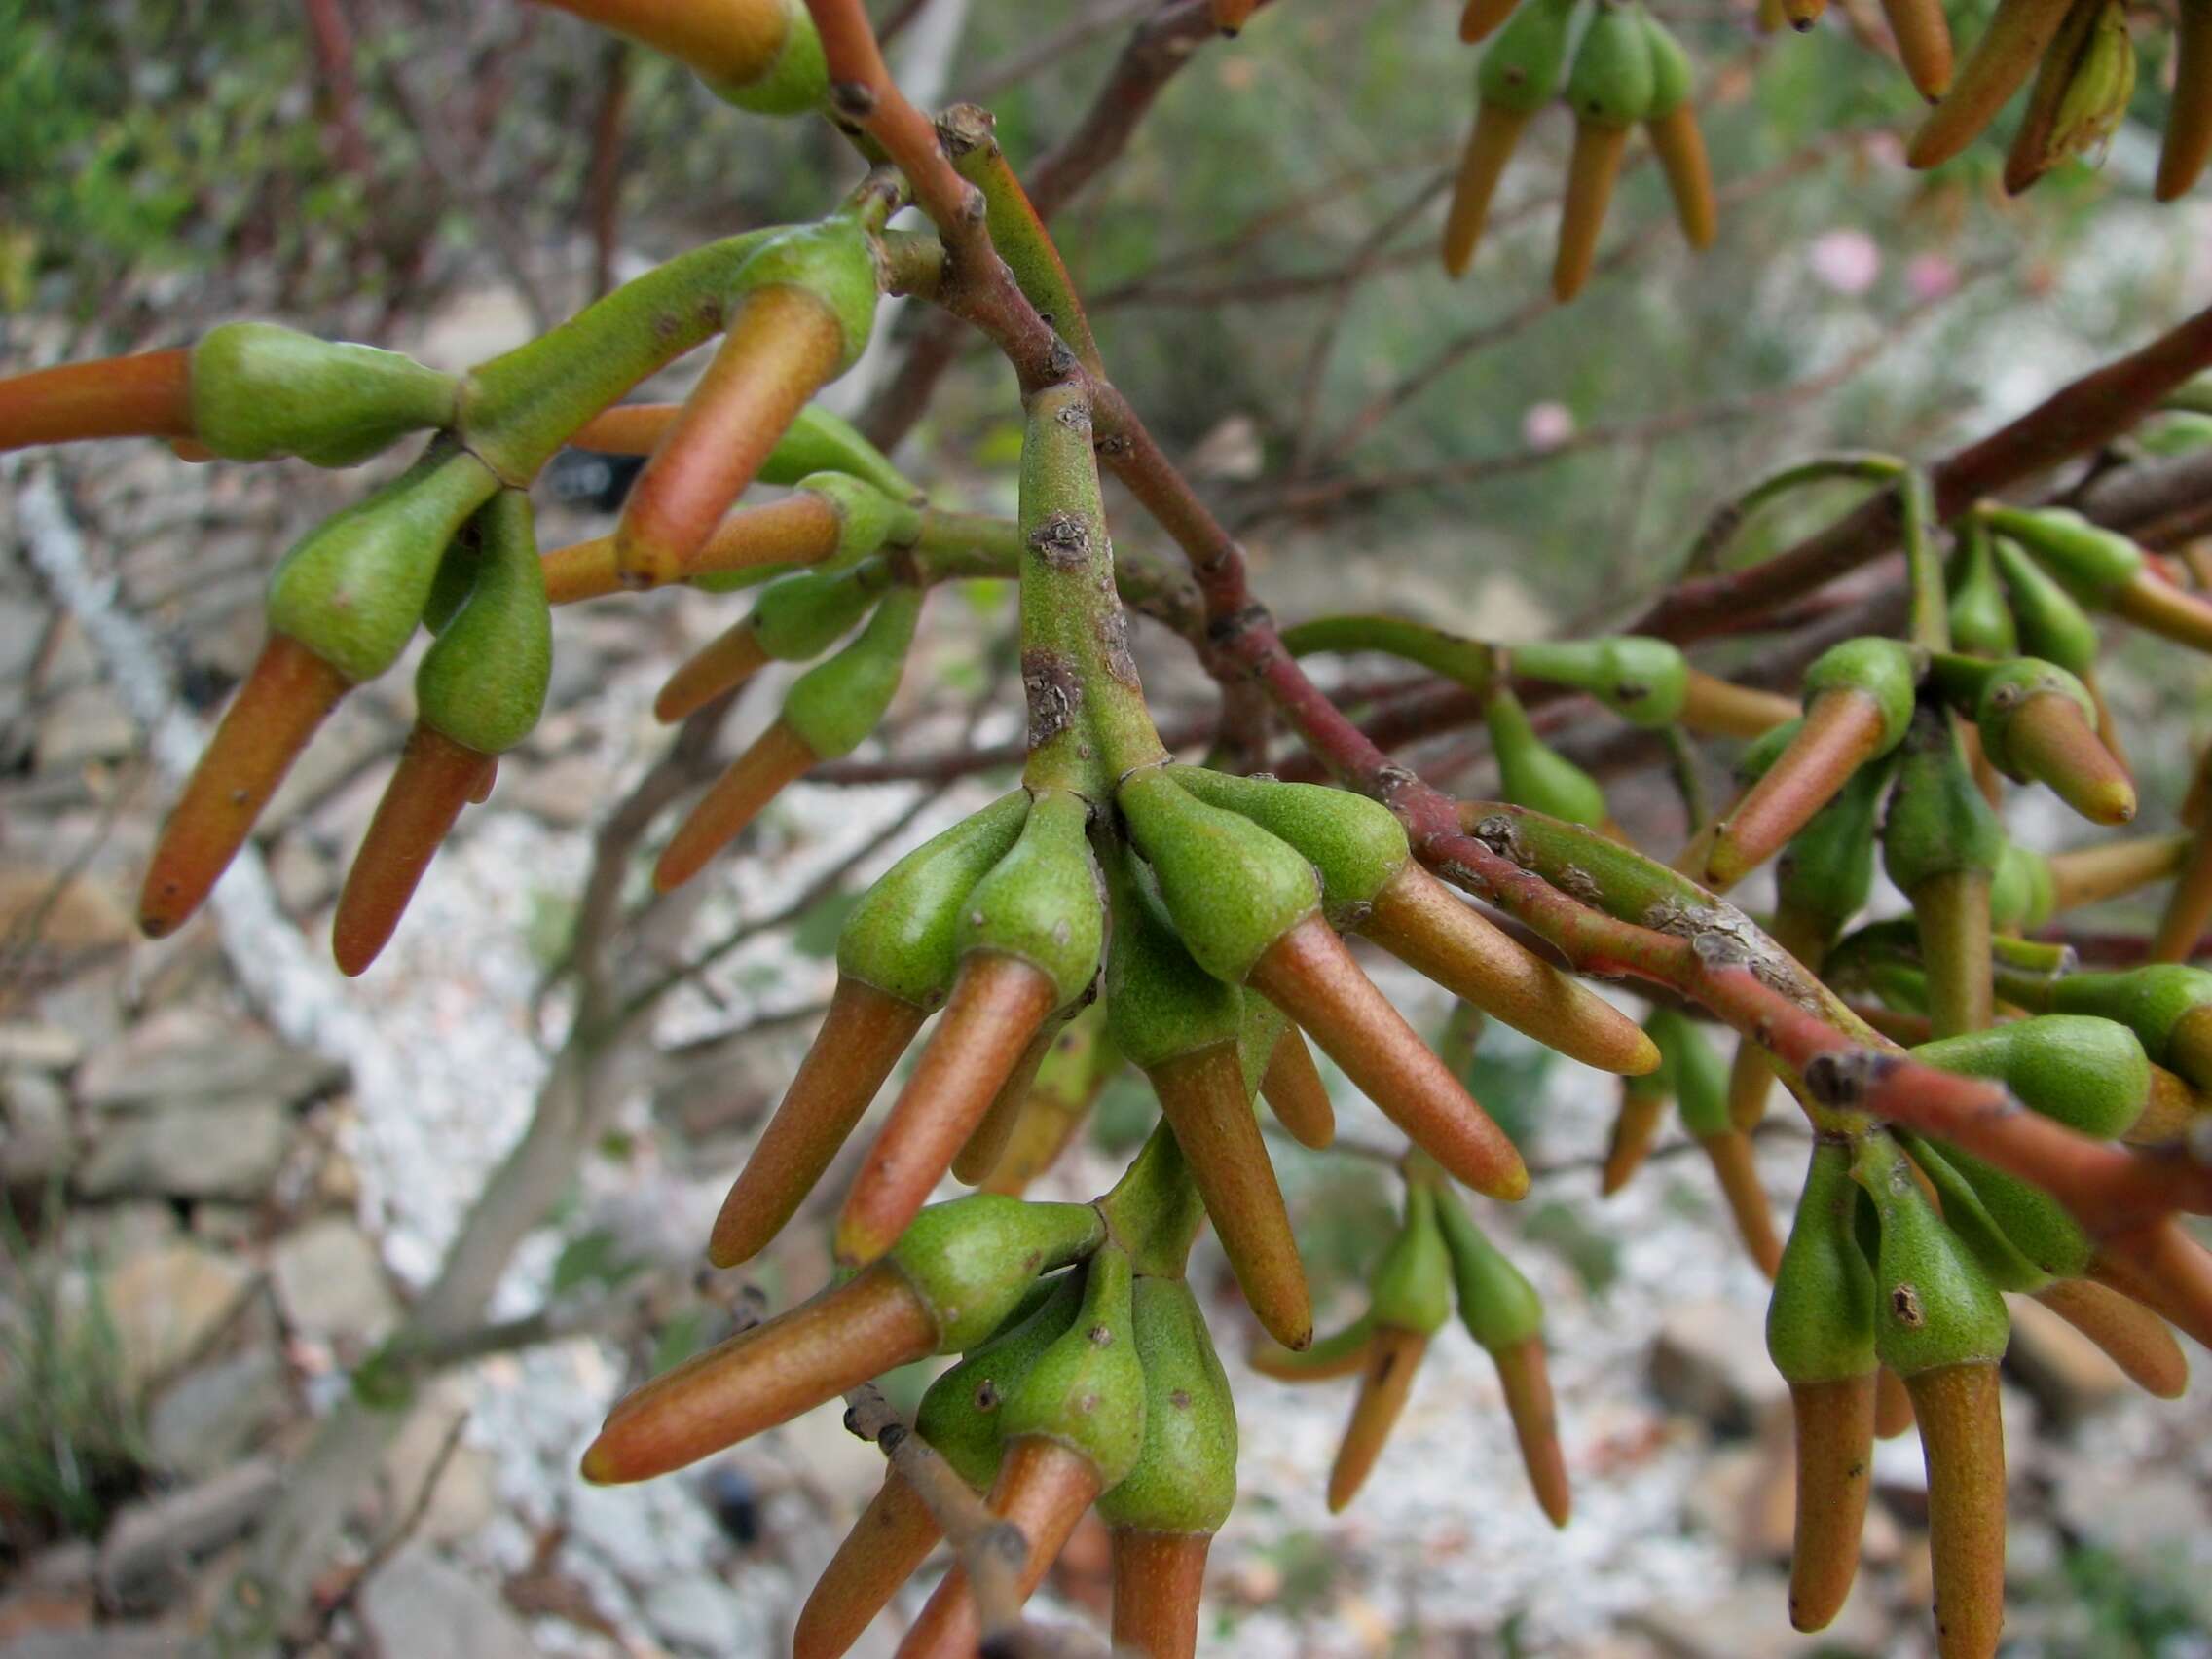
(1846, 261)
(1930, 275)
(1546, 425)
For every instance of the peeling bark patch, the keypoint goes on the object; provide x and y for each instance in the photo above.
(1049, 682)
(1062, 541)
(1498, 834)
(1578, 883)
(1114, 637)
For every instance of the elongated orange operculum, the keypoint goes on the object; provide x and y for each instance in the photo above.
(2050, 739)
(1158, 1580)
(979, 1155)
(1962, 1439)
(2132, 1337)
(1591, 173)
(2149, 600)
(1893, 1405)
(1713, 707)
(722, 664)
(2172, 1111)
(862, 1037)
(1043, 1487)
(435, 778)
(1635, 1126)
(755, 778)
(801, 528)
(1843, 729)
(2189, 908)
(270, 719)
(1924, 44)
(893, 1537)
(1230, 16)
(149, 395)
(627, 428)
(1680, 144)
(1384, 1384)
(1836, 1468)
(783, 344)
(2008, 49)
(1294, 1092)
(1490, 146)
(1203, 1096)
(1310, 977)
(2108, 869)
(1730, 1153)
(997, 1005)
(2187, 140)
(1426, 926)
(724, 40)
(1525, 1374)
(2163, 1268)
(763, 1377)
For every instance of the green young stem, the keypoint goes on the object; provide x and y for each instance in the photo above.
(1154, 1211)
(1857, 465)
(1088, 722)
(1930, 605)
(1468, 662)
(1017, 231)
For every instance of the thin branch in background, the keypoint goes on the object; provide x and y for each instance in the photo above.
(331, 37)
(603, 179)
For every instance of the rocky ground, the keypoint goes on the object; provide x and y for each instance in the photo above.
(234, 1172)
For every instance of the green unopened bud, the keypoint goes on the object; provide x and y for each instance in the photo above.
(961, 1413)
(1672, 76)
(1160, 1003)
(2006, 689)
(483, 681)
(353, 589)
(1938, 824)
(2022, 894)
(797, 79)
(1534, 774)
(972, 1261)
(865, 515)
(1498, 1304)
(2089, 1073)
(1231, 888)
(1981, 622)
(2151, 1001)
(817, 441)
(2090, 560)
(1695, 1071)
(2031, 1221)
(1522, 68)
(1819, 1321)
(1354, 844)
(831, 260)
(1934, 1304)
(1612, 81)
(802, 616)
(1887, 671)
(1185, 1476)
(1041, 903)
(903, 935)
(1826, 872)
(260, 392)
(1086, 1391)
(2051, 625)
(1411, 1287)
(1970, 1222)
(1762, 752)
(1642, 680)
(835, 704)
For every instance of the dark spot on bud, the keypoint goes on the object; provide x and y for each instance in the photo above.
(1088, 1404)
(856, 99)
(1180, 1399)
(1904, 1308)
(1100, 1336)
(987, 1396)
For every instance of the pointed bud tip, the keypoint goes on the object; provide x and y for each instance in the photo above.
(598, 1467)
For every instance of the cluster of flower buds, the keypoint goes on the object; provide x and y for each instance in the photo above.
(1437, 1256)
(1625, 69)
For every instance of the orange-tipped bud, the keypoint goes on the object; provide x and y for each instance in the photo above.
(1384, 1384)
(149, 396)
(1490, 146)
(627, 428)
(998, 1003)
(860, 1039)
(1962, 1438)
(1635, 1126)
(1591, 173)
(2049, 738)
(801, 528)
(1893, 1406)
(1341, 1354)
(733, 41)
(1230, 16)
(1835, 1466)
(979, 1155)
(1480, 20)
(2189, 908)
(2163, 1268)
(1843, 731)
(1525, 1374)
(2132, 1337)
(723, 664)
(1737, 1173)
(1202, 1097)
(1680, 144)
(782, 345)
(754, 779)
(893, 1537)
(763, 1377)
(1713, 707)
(1294, 1092)
(1043, 1487)
(270, 719)
(2149, 600)
(436, 777)
(1425, 925)
(1309, 974)
(1924, 44)
(1159, 1580)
